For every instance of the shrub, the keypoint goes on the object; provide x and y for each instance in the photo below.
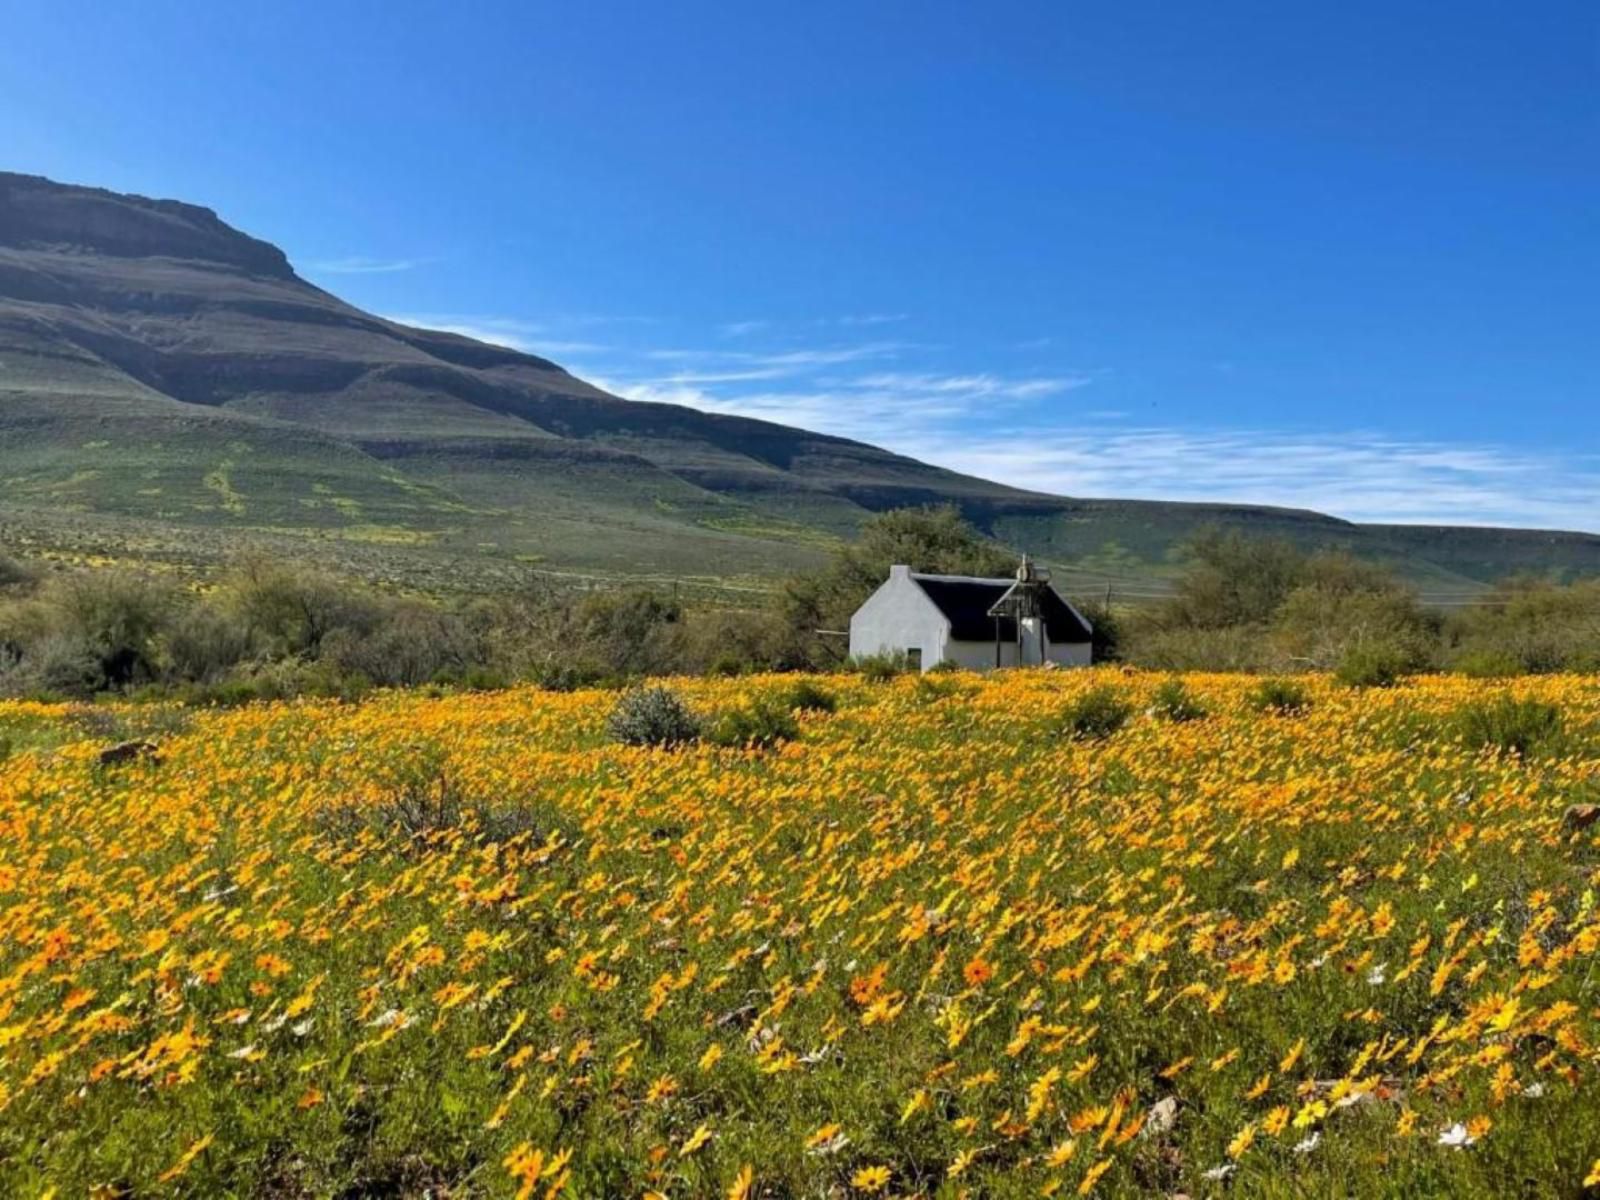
(757, 726)
(15, 575)
(1540, 626)
(806, 696)
(1175, 702)
(652, 716)
(945, 666)
(419, 809)
(879, 668)
(1098, 713)
(58, 665)
(1284, 697)
(1488, 664)
(1241, 648)
(1364, 666)
(930, 689)
(484, 679)
(726, 665)
(1105, 625)
(568, 677)
(1510, 725)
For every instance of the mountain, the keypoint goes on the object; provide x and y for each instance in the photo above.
(167, 381)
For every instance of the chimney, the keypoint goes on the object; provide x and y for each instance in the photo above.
(899, 571)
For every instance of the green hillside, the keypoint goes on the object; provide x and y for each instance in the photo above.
(168, 382)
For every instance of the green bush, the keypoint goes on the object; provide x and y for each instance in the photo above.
(1283, 697)
(806, 696)
(568, 677)
(1175, 702)
(652, 716)
(1365, 666)
(879, 668)
(1509, 725)
(757, 726)
(1239, 648)
(1488, 664)
(1098, 713)
(726, 665)
(484, 679)
(1538, 626)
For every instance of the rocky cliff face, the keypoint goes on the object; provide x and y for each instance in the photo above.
(37, 214)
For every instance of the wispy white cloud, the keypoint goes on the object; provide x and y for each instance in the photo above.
(1034, 430)
(1361, 476)
(874, 318)
(813, 356)
(514, 333)
(731, 375)
(875, 407)
(745, 328)
(981, 386)
(360, 264)
(998, 427)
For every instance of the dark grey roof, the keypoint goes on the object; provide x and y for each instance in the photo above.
(966, 602)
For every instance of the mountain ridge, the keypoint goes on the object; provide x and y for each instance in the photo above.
(157, 363)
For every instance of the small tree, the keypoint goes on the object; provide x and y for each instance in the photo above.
(1232, 580)
(925, 539)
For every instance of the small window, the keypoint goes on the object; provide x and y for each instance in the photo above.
(914, 658)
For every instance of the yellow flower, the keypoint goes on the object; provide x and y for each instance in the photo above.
(695, 1140)
(1061, 1153)
(823, 1134)
(194, 1151)
(870, 1180)
(1092, 1176)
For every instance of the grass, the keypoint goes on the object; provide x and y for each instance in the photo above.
(451, 944)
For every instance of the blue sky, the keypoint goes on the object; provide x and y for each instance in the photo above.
(1344, 256)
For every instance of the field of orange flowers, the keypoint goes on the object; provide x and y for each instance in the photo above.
(461, 945)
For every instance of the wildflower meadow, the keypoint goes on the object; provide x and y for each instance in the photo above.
(1031, 934)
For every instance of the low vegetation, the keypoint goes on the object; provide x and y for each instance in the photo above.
(1511, 725)
(1097, 713)
(652, 716)
(1280, 697)
(262, 629)
(1174, 701)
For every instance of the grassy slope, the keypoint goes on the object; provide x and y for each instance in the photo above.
(158, 366)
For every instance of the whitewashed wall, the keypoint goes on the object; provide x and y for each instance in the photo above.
(898, 617)
(979, 656)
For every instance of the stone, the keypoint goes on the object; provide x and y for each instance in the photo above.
(127, 752)
(1581, 816)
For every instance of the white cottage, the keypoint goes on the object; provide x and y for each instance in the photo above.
(975, 623)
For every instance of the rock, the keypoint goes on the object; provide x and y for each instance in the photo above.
(1163, 1115)
(127, 752)
(1581, 816)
